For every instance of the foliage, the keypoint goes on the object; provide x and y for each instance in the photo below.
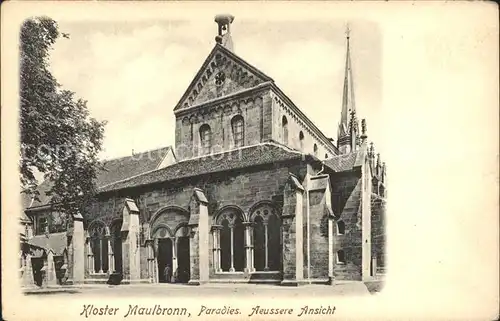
(58, 137)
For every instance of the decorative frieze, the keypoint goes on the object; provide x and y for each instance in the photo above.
(299, 120)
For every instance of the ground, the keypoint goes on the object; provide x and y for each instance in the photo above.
(246, 290)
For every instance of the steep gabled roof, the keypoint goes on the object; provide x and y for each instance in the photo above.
(342, 163)
(260, 154)
(113, 170)
(218, 49)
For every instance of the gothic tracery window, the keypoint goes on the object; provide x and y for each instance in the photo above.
(266, 239)
(237, 124)
(229, 236)
(99, 246)
(206, 139)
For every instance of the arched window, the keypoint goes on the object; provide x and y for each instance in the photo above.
(326, 156)
(229, 234)
(205, 139)
(238, 125)
(301, 140)
(340, 257)
(266, 239)
(315, 149)
(340, 227)
(284, 124)
(98, 239)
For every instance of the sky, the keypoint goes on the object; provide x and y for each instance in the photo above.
(133, 73)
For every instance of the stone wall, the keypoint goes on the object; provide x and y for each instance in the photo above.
(318, 233)
(378, 230)
(254, 109)
(295, 126)
(242, 188)
(346, 201)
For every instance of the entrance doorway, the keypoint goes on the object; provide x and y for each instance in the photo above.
(183, 258)
(165, 260)
(37, 265)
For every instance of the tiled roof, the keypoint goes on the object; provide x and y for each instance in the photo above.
(113, 170)
(341, 163)
(56, 242)
(120, 168)
(254, 155)
(347, 162)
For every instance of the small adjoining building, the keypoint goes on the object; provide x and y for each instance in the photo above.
(252, 192)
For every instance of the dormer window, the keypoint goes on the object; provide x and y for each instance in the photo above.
(238, 126)
(206, 139)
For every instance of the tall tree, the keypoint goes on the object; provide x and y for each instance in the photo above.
(59, 138)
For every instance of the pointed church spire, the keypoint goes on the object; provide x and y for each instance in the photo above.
(348, 105)
(224, 30)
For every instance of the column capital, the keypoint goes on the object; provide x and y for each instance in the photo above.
(216, 227)
(248, 224)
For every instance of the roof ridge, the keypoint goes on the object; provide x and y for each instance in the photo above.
(205, 63)
(203, 156)
(143, 152)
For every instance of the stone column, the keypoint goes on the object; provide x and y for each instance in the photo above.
(231, 269)
(150, 249)
(90, 256)
(130, 242)
(330, 251)
(156, 272)
(174, 257)
(101, 252)
(266, 250)
(111, 259)
(293, 233)
(199, 253)
(216, 247)
(78, 243)
(51, 270)
(249, 247)
(28, 279)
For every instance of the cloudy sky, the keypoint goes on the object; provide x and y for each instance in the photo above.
(133, 73)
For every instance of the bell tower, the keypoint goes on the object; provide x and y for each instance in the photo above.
(224, 30)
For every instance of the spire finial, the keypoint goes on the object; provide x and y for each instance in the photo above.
(347, 31)
(364, 136)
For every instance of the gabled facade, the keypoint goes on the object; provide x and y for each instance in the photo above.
(254, 193)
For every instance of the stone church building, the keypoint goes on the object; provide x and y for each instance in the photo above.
(252, 192)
